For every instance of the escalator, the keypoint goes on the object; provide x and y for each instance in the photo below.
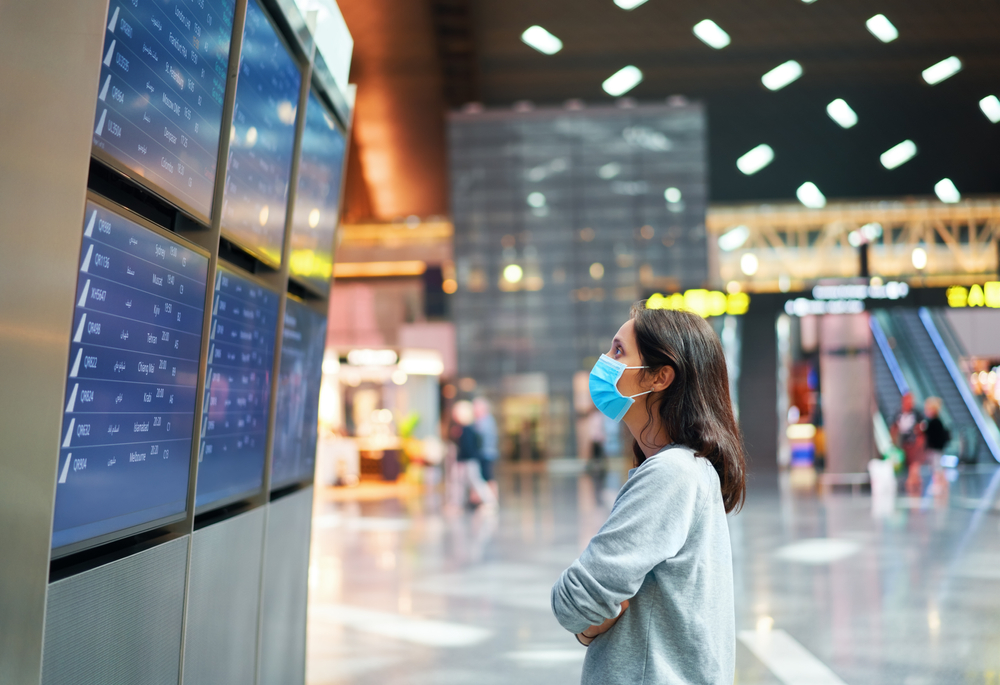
(917, 352)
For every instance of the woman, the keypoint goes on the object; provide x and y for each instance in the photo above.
(664, 553)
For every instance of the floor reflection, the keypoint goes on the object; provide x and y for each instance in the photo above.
(404, 589)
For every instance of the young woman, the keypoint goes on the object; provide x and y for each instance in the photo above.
(664, 553)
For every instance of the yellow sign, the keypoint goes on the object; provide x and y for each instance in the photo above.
(705, 303)
(987, 295)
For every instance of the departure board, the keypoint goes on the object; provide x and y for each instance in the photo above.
(159, 103)
(130, 391)
(317, 197)
(260, 147)
(238, 390)
(297, 415)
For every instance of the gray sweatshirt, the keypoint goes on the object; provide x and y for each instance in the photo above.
(665, 547)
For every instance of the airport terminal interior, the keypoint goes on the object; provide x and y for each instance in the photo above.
(310, 370)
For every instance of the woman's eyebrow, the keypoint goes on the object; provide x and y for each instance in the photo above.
(617, 341)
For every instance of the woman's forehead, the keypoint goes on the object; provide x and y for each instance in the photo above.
(626, 333)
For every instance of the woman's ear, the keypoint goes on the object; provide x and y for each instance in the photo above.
(664, 378)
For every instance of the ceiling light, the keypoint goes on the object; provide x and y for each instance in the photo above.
(734, 238)
(597, 271)
(946, 191)
(629, 4)
(810, 196)
(541, 40)
(711, 34)
(755, 160)
(882, 28)
(536, 200)
(622, 81)
(898, 154)
(842, 113)
(609, 170)
(942, 70)
(749, 264)
(991, 108)
(782, 75)
(512, 273)
(919, 258)
(672, 195)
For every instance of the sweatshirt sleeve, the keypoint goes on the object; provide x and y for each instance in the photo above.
(649, 523)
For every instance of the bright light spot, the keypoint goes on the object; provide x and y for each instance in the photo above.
(855, 239)
(898, 154)
(450, 286)
(251, 136)
(647, 232)
(842, 113)
(372, 357)
(755, 160)
(734, 238)
(946, 68)
(262, 217)
(872, 231)
(711, 34)
(597, 271)
(749, 264)
(882, 28)
(933, 622)
(314, 218)
(875, 282)
(629, 4)
(810, 196)
(286, 112)
(764, 624)
(399, 377)
(946, 191)
(512, 273)
(801, 431)
(784, 283)
(541, 40)
(672, 195)
(919, 258)
(991, 108)
(622, 81)
(609, 170)
(331, 363)
(536, 200)
(782, 75)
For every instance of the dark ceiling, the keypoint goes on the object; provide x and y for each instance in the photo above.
(839, 56)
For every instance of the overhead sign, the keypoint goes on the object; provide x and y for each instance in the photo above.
(987, 295)
(702, 302)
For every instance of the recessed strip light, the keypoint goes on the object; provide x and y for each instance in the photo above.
(734, 238)
(755, 160)
(782, 75)
(541, 40)
(898, 154)
(842, 113)
(810, 196)
(882, 28)
(946, 191)
(991, 108)
(711, 34)
(946, 68)
(622, 81)
(629, 4)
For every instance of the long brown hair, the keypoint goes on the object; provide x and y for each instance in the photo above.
(696, 409)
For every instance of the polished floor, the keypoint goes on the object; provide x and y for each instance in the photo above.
(406, 589)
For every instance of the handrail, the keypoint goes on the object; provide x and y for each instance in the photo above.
(888, 355)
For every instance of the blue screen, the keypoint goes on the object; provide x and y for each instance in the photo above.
(159, 104)
(238, 390)
(130, 391)
(297, 415)
(317, 197)
(260, 148)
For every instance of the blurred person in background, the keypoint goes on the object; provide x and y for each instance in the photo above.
(468, 458)
(597, 465)
(936, 436)
(908, 435)
(489, 451)
(652, 594)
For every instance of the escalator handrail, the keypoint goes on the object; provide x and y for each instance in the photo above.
(956, 376)
(888, 355)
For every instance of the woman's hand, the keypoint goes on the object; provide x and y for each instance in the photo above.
(588, 635)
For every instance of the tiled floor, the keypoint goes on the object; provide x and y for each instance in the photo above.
(405, 591)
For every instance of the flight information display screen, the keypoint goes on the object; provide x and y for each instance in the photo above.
(159, 103)
(317, 197)
(297, 415)
(260, 148)
(130, 392)
(238, 390)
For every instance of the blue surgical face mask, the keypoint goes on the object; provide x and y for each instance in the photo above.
(604, 387)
